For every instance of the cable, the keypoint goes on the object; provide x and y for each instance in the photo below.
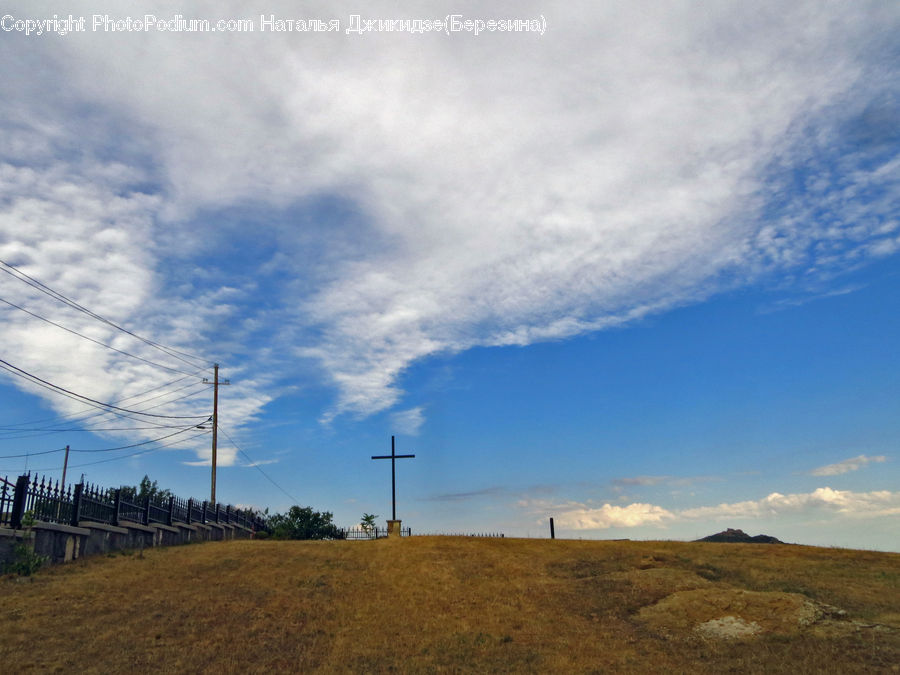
(71, 394)
(113, 459)
(13, 433)
(33, 454)
(102, 344)
(121, 447)
(13, 271)
(32, 433)
(250, 459)
(127, 398)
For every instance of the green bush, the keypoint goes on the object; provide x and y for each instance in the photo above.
(25, 562)
(303, 523)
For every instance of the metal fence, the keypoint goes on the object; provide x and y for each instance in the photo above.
(374, 533)
(7, 490)
(378, 533)
(47, 501)
(491, 535)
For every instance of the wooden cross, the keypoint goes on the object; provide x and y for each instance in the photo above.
(393, 456)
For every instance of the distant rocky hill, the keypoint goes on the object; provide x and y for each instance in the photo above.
(730, 536)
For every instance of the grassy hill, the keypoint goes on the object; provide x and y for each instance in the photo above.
(441, 604)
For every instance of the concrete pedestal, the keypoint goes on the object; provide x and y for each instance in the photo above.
(393, 528)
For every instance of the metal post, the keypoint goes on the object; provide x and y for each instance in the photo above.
(552, 530)
(76, 505)
(117, 503)
(171, 511)
(393, 481)
(19, 499)
(215, 429)
(190, 510)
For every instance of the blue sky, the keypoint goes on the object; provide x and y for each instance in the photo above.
(637, 273)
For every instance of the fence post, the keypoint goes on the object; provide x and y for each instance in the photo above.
(145, 516)
(76, 505)
(117, 503)
(171, 511)
(190, 510)
(228, 514)
(19, 499)
(203, 513)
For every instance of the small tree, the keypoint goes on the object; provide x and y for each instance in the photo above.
(368, 524)
(26, 561)
(147, 488)
(303, 523)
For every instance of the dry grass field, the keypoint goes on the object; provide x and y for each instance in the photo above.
(442, 604)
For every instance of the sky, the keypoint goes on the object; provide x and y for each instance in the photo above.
(632, 266)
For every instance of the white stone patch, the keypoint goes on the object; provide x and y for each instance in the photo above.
(728, 627)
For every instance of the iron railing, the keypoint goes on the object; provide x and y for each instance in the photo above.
(48, 502)
(7, 490)
(374, 533)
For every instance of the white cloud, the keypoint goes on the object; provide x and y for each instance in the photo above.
(642, 481)
(503, 190)
(606, 516)
(823, 501)
(408, 422)
(847, 465)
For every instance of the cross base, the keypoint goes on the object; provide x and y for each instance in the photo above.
(393, 528)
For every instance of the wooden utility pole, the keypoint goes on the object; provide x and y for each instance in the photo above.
(63, 488)
(215, 428)
(65, 466)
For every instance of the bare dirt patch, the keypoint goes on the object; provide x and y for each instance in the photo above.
(736, 613)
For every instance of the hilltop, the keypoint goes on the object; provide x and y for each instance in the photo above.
(453, 604)
(730, 536)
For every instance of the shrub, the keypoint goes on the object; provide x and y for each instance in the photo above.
(303, 523)
(25, 562)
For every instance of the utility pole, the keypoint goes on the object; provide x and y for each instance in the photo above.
(65, 466)
(215, 428)
(63, 488)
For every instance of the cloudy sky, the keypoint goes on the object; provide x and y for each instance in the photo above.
(635, 270)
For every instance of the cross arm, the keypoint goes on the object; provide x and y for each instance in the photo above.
(391, 456)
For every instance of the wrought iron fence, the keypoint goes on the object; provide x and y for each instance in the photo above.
(48, 502)
(491, 535)
(7, 490)
(97, 504)
(375, 533)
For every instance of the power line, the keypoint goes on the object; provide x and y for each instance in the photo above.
(13, 433)
(114, 459)
(71, 394)
(121, 447)
(257, 467)
(26, 433)
(84, 415)
(102, 344)
(16, 273)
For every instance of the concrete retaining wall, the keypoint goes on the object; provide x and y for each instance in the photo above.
(64, 543)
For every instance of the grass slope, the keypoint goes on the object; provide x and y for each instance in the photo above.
(441, 604)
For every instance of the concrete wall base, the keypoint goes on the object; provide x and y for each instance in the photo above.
(65, 543)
